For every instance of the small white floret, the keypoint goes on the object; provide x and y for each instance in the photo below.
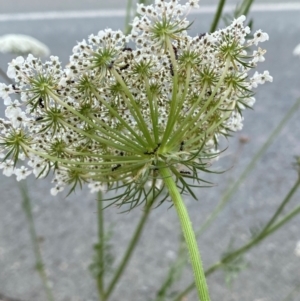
(260, 36)
(11, 70)
(96, 187)
(194, 3)
(55, 190)
(22, 173)
(8, 167)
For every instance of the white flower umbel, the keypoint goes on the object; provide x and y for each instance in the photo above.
(22, 45)
(116, 114)
(120, 117)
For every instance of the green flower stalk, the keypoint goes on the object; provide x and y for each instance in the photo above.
(146, 119)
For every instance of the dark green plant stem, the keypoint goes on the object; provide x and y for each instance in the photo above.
(100, 277)
(265, 232)
(188, 233)
(128, 17)
(284, 220)
(35, 242)
(130, 248)
(246, 7)
(233, 188)
(280, 208)
(218, 15)
(255, 240)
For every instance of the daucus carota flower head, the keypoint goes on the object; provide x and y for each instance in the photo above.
(116, 115)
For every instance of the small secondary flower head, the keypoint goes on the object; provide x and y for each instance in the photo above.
(297, 249)
(116, 115)
(297, 50)
(22, 45)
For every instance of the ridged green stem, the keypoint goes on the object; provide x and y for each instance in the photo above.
(189, 235)
(265, 232)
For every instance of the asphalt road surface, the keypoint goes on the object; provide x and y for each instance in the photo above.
(15, 6)
(67, 226)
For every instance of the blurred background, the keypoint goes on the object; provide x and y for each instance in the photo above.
(67, 227)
